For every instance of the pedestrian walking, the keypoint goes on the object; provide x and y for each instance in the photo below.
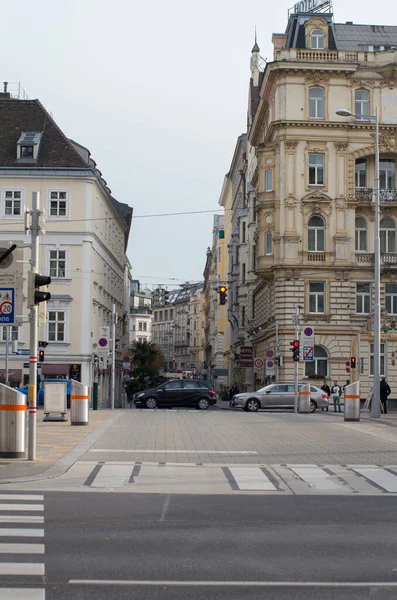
(325, 387)
(336, 393)
(385, 392)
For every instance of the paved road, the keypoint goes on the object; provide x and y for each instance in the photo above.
(196, 547)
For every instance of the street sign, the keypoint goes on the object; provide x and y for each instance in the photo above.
(269, 353)
(246, 356)
(26, 365)
(308, 337)
(23, 351)
(11, 276)
(7, 307)
(104, 331)
(308, 353)
(103, 342)
(258, 363)
(270, 367)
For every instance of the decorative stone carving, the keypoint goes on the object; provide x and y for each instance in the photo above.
(290, 145)
(364, 82)
(388, 139)
(341, 146)
(269, 218)
(341, 276)
(316, 202)
(341, 203)
(314, 76)
(291, 201)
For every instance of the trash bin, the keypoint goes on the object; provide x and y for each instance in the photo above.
(78, 404)
(12, 422)
(352, 402)
(304, 399)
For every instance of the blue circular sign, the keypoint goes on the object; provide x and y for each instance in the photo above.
(308, 331)
(103, 342)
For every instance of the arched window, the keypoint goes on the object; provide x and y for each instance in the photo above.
(318, 366)
(361, 98)
(317, 39)
(316, 235)
(361, 235)
(316, 103)
(387, 235)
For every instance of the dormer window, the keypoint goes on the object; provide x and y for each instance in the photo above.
(28, 146)
(317, 39)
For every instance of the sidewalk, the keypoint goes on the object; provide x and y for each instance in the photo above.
(59, 445)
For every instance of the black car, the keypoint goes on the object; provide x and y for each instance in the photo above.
(179, 392)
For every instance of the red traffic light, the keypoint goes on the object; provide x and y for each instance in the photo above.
(295, 343)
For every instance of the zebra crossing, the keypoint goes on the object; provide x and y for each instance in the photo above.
(224, 478)
(21, 546)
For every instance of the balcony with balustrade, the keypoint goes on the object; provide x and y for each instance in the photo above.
(366, 195)
(364, 259)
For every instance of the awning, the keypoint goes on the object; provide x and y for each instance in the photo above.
(52, 369)
(13, 375)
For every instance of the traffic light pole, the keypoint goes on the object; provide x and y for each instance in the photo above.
(32, 393)
(296, 363)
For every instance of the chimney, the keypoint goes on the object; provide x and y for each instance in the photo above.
(5, 94)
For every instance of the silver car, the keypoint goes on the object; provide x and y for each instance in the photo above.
(277, 395)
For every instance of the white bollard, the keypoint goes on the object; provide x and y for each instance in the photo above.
(78, 404)
(304, 399)
(12, 422)
(352, 401)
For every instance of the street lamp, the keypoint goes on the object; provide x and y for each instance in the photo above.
(375, 406)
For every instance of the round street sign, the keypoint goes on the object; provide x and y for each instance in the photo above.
(269, 364)
(127, 359)
(103, 342)
(308, 332)
(269, 353)
(258, 363)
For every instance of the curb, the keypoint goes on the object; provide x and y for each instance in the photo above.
(64, 463)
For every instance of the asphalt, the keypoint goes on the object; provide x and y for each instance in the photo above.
(322, 547)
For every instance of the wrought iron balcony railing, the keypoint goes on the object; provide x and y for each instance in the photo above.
(367, 195)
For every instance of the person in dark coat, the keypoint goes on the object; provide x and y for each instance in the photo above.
(385, 391)
(325, 387)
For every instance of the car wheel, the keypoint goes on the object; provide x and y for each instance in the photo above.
(151, 403)
(203, 404)
(252, 405)
(313, 405)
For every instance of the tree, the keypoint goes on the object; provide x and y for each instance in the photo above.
(146, 361)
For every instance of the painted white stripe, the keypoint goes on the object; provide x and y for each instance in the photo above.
(22, 497)
(251, 478)
(112, 476)
(24, 507)
(169, 451)
(21, 519)
(317, 478)
(21, 594)
(21, 568)
(9, 532)
(383, 478)
(263, 584)
(21, 548)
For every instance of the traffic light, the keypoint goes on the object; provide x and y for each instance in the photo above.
(279, 361)
(222, 295)
(41, 355)
(353, 363)
(35, 282)
(295, 349)
(166, 296)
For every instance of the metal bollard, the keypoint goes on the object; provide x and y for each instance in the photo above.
(352, 402)
(12, 422)
(79, 404)
(304, 399)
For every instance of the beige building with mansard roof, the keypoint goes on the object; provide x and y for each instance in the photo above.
(314, 184)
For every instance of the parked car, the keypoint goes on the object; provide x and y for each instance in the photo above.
(40, 399)
(179, 392)
(277, 395)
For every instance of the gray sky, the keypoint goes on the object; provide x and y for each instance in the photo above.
(158, 92)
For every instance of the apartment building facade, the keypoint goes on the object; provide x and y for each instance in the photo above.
(141, 313)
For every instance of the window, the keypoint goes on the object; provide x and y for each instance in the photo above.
(387, 235)
(316, 169)
(57, 263)
(174, 385)
(243, 273)
(363, 298)
(391, 298)
(243, 316)
(318, 366)
(28, 145)
(144, 324)
(160, 315)
(58, 203)
(219, 253)
(316, 234)
(12, 203)
(243, 232)
(387, 174)
(140, 326)
(317, 297)
(56, 325)
(360, 176)
(361, 234)
(165, 316)
(268, 180)
(317, 39)
(361, 98)
(254, 256)
(26, 151)
(6, 331)
(382, 360)
(316, 103)
(268, 243)
(171, 315)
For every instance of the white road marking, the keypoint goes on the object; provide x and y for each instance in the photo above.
(9, 532)
(169, 451)
(383, 478)
(21, 548)
(112, 476)
(21, 568)
(21, 594)
(21, 519)
(21, 497)
(251, 478)
(22, 507)
(317, 478)
(262, 584)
